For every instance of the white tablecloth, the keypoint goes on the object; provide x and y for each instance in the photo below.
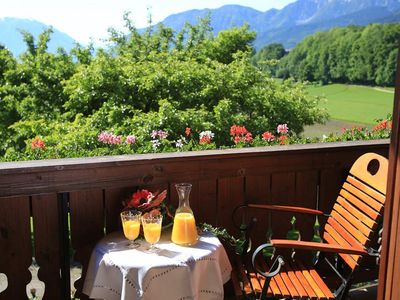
(175, 272)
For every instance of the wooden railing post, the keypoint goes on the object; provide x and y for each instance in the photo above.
(63, 208)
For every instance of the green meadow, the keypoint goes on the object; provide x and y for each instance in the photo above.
(350, 105)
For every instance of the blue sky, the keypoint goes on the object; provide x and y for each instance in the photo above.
(89, 19)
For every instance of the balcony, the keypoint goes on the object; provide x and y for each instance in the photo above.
(50, 207)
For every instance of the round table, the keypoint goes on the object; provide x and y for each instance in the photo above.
(174, 272)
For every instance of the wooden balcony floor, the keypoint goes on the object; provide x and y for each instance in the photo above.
(366, 292)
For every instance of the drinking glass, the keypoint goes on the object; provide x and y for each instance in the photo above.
(131, 225)
(152, 230)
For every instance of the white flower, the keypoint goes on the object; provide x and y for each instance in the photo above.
(207, 133)
(156, 144)
(179, 143)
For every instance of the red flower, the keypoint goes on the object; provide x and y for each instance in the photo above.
(188, 131)
(237, 139)
(141, 199)
(283, 139)
(268, 136)
(238, 130)
(248, 138)
(144, 200)
(38, 143)
(382, 125)
(205, 140)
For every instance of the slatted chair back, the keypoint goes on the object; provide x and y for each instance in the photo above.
(359, 206)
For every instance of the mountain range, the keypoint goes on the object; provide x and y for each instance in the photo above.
(288, 25)
(292, 23)
(11, 37)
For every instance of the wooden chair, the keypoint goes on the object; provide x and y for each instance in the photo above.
(348, 233)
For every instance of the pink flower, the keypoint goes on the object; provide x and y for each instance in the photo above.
(130, 139)
(38, 143)
(237, 139)
(109, 138)
(282, 128)
(268, 136)
(188, 131)
(159, 133)
(248, 138)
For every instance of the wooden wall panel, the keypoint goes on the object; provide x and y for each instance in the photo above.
(15, 245)
(283, 192)
(87, 228)
(258, 191)
(207, 201)
(331, 181)
(306, 196)
(230, 195)
(113, 199)
(47, 244)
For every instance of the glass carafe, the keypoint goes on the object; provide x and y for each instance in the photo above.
(184, 231)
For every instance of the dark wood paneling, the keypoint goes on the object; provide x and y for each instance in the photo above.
(207, 202)
(113, 199)
(389, 272)
(47, 243)
(15, 245)
(230, 195)
(283, 191)
(87, 227)
(258, 191)
(306, 196)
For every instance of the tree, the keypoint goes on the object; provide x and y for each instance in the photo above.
(353, 54)
(268, 57)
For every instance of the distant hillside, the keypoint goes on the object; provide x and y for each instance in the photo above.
(296, 20)
(11, 37)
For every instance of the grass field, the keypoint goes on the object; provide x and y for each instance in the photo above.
(350, 105)
(355, 103)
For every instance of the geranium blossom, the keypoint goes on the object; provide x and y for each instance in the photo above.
(38, 143)
(161, 134)
(130, 139)
(382, 125)
(283, 139)
(155, 144)
(206, 137)
(179, 143)
(282, 128)
(109, 138)
(248, 137)
(240, 134)
(188, 130)
(268, 136)
(238, 130)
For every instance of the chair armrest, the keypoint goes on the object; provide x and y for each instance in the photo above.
(296, 209)
(317, 247)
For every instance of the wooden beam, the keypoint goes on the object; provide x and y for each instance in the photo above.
(389, 273)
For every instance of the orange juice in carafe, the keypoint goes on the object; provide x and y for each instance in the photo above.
(184, 231)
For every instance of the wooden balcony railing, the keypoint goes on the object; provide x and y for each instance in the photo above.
(84, 195)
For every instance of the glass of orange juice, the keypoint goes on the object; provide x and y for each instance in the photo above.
(152, 230)
(131, 226)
